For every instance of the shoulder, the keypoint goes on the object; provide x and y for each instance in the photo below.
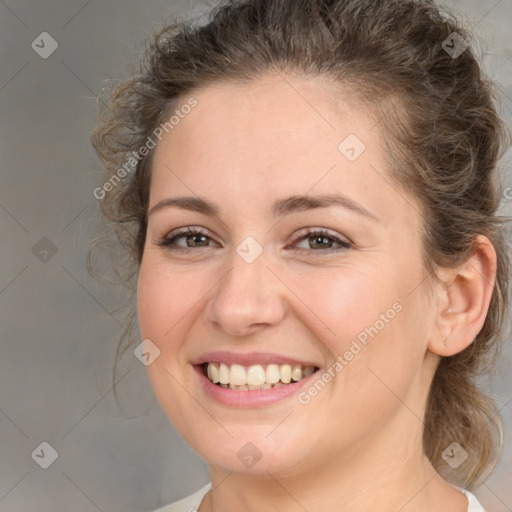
(189, 504)
(474, 504)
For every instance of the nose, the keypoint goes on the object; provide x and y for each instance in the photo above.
(248, 298)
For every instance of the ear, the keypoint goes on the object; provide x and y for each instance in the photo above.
(464, 300)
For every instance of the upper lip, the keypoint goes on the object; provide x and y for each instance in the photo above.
(248, 359)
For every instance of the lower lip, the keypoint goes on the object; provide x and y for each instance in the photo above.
(235, 398)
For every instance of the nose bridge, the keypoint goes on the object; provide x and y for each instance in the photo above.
(249, 292)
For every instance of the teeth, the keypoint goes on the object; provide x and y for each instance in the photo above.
(286, 373)
(237, 375)
(223, 374)
(213, 373)
(273, 374)
(296, 372)
(257, 376)
(234, 386)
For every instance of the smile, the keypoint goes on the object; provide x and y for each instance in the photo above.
(255, 377)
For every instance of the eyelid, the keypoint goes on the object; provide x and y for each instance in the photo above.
(325, 231)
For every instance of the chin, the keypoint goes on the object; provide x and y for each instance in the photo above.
(250, 450)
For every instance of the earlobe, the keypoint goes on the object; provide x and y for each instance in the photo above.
(464, 302)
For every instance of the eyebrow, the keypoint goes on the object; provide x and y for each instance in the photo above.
(279, 208)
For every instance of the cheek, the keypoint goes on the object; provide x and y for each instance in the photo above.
(373, 323)
(346, 302)
(165, 307)
(166, 296)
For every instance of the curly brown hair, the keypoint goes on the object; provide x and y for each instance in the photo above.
(445, 138)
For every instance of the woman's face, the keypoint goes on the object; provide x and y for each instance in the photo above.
(255, 292)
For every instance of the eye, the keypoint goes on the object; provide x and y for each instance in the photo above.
(194, 237)
(197, 238)
(321, 239)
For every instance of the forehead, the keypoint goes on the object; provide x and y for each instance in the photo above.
(277, 136)
(276, 109)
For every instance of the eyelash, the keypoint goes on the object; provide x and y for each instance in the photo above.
(310, 233)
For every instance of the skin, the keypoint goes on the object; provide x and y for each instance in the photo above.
(357, 444)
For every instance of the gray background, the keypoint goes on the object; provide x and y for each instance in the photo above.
(58, 338)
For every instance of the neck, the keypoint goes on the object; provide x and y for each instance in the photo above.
(375, 476)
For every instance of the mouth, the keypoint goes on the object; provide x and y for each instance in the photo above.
(255, 377)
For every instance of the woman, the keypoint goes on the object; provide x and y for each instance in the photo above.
(309, 194)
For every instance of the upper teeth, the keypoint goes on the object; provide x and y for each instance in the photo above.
(257, 374)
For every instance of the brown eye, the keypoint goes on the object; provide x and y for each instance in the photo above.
(194, 238)
(322, 240)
